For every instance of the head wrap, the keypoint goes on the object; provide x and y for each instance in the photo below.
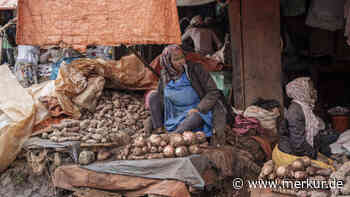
(165, 60)
(196, 20)
(301, 91)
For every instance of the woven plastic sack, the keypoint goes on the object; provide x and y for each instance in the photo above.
(267, 119)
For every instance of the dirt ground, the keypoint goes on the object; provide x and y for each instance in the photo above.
(19, 181)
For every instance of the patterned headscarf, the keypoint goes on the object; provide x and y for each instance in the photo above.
(303, 93)
(165, 60)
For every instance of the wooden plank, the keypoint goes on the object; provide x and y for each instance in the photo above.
(261, 47)
(234, 11)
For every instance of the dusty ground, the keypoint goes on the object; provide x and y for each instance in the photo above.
(19, 181)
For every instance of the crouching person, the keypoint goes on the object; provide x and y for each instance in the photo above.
(187, 98)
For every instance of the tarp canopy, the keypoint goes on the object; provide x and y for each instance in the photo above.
(8, 4)
(193, 2)
(79, 23)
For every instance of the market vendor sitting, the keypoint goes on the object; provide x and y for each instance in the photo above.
(187, 98)
(300, 131)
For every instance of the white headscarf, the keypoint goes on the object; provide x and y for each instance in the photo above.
(303, 93)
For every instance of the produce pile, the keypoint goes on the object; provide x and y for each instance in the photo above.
(164, 146)
(118, 116)
(342, 173)
(299, 170)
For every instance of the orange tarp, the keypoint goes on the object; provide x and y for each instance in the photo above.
(79, 23)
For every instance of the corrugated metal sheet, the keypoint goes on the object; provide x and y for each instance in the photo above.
(8, 4)
(193, 2)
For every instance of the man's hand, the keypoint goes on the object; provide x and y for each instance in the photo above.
(192, 111)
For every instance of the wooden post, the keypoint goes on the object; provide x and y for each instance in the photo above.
(255, 37)
(262, 52)
(234, 10)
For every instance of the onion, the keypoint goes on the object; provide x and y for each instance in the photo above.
(176, 140)
(306, 160)
(165, 137)
(194, 149)
(169, 151)
(163, 143)
(298, 165)
(324, 171)
(181, 151)
(155, 139)
(201, 137)
(145, 150)
(189, 137)
(271, 176)
(311, 170)
(155, 156)
(140, 141)
(267, 169)
(204, 145)
(154, 149)
(300, 174)
(160, 149)
(137, 151)
(282, 171)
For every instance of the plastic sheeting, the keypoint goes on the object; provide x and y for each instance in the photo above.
(74, 81)
(79, 23)
(72, 177)
(20, 110)
(193, 2)
(185, 169)
(18, 107)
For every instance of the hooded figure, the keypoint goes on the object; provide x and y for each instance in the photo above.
(203, 38)
(300, 129)
(187, 98)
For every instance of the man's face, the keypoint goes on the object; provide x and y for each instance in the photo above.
(178, 60)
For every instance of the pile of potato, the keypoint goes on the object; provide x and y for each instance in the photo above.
(300, 169)
(164, 146)
(118, 116)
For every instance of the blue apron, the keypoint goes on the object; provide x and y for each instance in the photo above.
(179, 98)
